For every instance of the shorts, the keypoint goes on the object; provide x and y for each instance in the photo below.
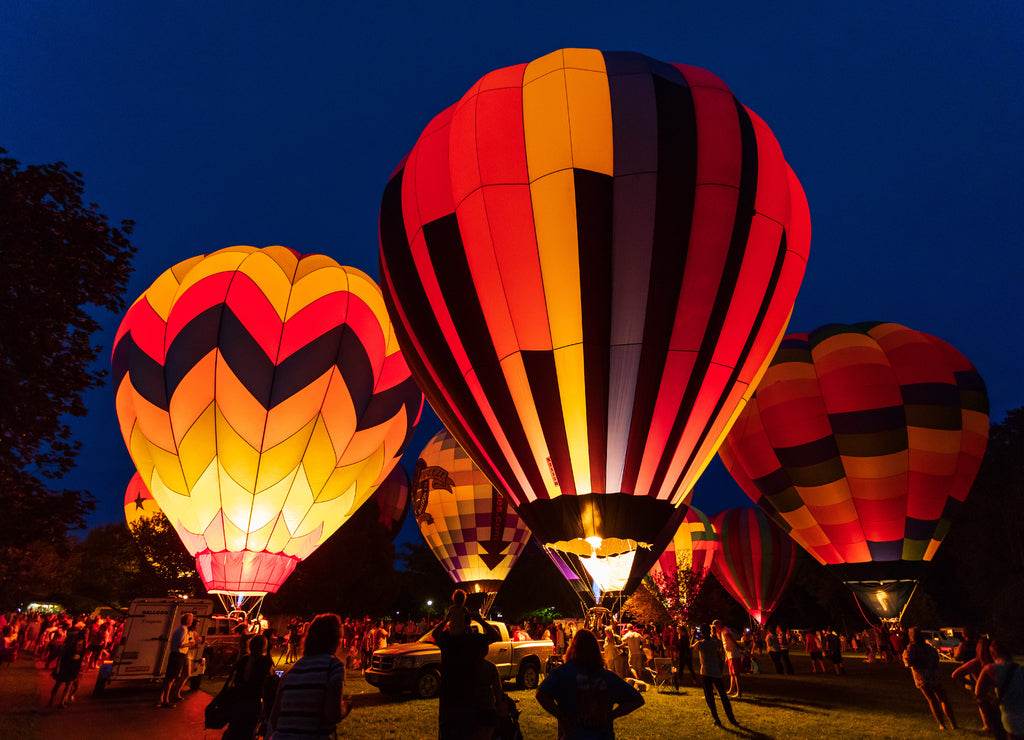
(836, 658)
(175, 665)
(735, 666)
(816, 655)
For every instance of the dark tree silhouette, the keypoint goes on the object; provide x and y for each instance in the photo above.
(645, 606)
(677, 590)
(166, 568)
(61, 261)
(351, 574)
(978, 573)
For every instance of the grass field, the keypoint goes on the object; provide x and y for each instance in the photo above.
(871, 701)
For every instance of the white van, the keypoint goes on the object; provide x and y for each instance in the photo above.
(142, 654)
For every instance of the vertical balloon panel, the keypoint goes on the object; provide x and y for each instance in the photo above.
(263, 397)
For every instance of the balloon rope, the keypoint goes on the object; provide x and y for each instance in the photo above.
(907, 602)
(857, 599)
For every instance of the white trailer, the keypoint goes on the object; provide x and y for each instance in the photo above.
(142, 655)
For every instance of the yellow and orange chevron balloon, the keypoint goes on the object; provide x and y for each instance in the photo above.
(263, 398)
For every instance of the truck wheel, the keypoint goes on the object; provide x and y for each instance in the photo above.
(529, 676)
(428, 683)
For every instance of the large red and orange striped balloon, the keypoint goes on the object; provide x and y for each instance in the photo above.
(589, 260)
(863, 442)
(468, 524)
(755, 560)
(263, 397)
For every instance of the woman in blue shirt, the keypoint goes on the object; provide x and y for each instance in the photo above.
(584, 696)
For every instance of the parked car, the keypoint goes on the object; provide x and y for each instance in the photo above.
(416, 666)
(946, 640)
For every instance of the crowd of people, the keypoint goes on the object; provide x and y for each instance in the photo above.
(65, 646)
(613, 660)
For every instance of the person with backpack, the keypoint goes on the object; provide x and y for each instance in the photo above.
(310, 699)
(248, 678)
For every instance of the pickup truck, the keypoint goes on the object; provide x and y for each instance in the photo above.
(416, 666)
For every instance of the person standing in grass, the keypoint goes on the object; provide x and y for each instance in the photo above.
(774, 653)
(923, 661)
(833, 647)
(733, 656)
(459, 687)
(709, 650)
(310, 699)
(635, 642)
(783, 638)
(683, 657)
(813, 646)
(583, 695)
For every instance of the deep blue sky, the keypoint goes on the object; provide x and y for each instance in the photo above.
(212, 124)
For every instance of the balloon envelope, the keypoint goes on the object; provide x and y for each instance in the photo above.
(262, 397)
(589, 260)
(138, 501)
(755, 560)
(392, 500)
(468, 524)
(679, 572)
(862, 441)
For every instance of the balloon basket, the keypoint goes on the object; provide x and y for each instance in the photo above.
(243, 606)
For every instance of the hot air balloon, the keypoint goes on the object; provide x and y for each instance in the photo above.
(392, 500)
(466, 521)
(863, 441)
(755, 560)
(138, 502)
(589, 260)
(263, 397)
(679, 572)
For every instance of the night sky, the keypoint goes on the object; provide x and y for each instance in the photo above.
(257, 123)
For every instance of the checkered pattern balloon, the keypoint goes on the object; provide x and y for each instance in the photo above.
(466, 521)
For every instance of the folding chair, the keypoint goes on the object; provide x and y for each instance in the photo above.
(663, 670)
